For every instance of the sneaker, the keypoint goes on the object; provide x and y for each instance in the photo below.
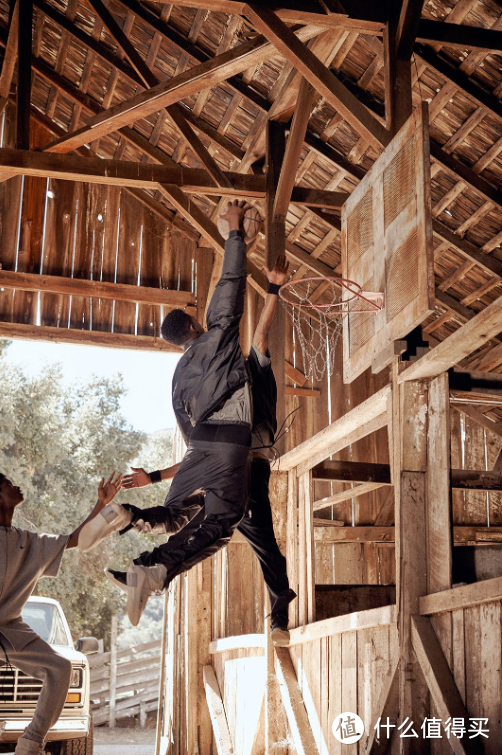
(143, 581)
(112, 518)
(28, 747)
(279, 628)
(117, 578)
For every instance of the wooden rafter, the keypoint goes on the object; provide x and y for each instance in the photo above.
(189, 82)
(459, 35)
(9, 61)
(363, 16)
(315, 72)
(175, 112)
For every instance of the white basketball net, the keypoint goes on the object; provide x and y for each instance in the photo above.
(316, 307)
(316, 330)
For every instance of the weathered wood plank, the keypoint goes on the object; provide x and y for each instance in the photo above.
(374, 617)
(441, 683)
(357, 423)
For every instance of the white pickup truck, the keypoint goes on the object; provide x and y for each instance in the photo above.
(72, 734)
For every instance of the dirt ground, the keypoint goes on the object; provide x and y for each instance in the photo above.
(123, 741)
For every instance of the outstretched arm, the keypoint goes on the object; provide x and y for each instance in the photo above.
(276, 277)
(140, 478)
(106, 493)
(227, 302)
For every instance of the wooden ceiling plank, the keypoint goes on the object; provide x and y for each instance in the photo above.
(465, 129)
(150, 80)
(10, 56)
(325, 82)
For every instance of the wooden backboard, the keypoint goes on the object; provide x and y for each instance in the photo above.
(387, 246)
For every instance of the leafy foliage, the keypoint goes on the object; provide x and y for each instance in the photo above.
(56, 443)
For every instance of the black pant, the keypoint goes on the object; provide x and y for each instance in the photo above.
(256, 526)
(221, 470)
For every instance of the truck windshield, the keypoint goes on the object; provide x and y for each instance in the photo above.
(45, 620)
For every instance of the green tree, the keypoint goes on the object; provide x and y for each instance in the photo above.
(56, 443)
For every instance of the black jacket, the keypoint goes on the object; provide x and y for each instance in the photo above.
(213, 366)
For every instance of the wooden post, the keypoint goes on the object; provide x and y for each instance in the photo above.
(275, 244)
(409, 436)
(24, 74)
(113, 670)
(306, 597)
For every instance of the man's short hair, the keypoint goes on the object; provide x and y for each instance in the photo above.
(176, 327)
(2, 477)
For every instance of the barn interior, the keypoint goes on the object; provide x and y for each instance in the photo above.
(369, 137)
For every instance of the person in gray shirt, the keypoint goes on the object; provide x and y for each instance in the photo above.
(25, 557)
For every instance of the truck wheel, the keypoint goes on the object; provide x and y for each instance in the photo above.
(81, 746)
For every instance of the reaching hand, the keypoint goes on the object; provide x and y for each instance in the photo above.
(279, 272)
(109, 489)
(139, 479)
(234, 213)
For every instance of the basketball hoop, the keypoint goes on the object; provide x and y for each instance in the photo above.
(316, 306)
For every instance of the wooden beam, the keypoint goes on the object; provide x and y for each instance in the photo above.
(294, 147)
(95, 289)
(438, 486)
(388, 710)
(364, 419)
(488, 264)
(470, 479)
(362, 16)
(321, 78)
(459, 35)
(175, 112)
(201, 76)
(240, 642)
(221, 731)
(407, 28)
(298, 720)
(324, 532)
(466, 596)
(444, 691)
(347, 495)
(24, 74)
(18, 331)
(10, 56)
(357, 621)
(124, 173)
(370, 534)
(489, 424)
(458, 346)
(352, 471)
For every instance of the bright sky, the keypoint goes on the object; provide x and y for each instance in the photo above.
(147, 376)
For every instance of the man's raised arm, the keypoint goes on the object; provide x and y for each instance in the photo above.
(276, 278)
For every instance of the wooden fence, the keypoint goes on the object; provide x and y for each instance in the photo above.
(125, 683)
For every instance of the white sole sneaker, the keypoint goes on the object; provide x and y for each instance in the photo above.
(112, 518)
(280, 637)
(110, 576)
(142, 581)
